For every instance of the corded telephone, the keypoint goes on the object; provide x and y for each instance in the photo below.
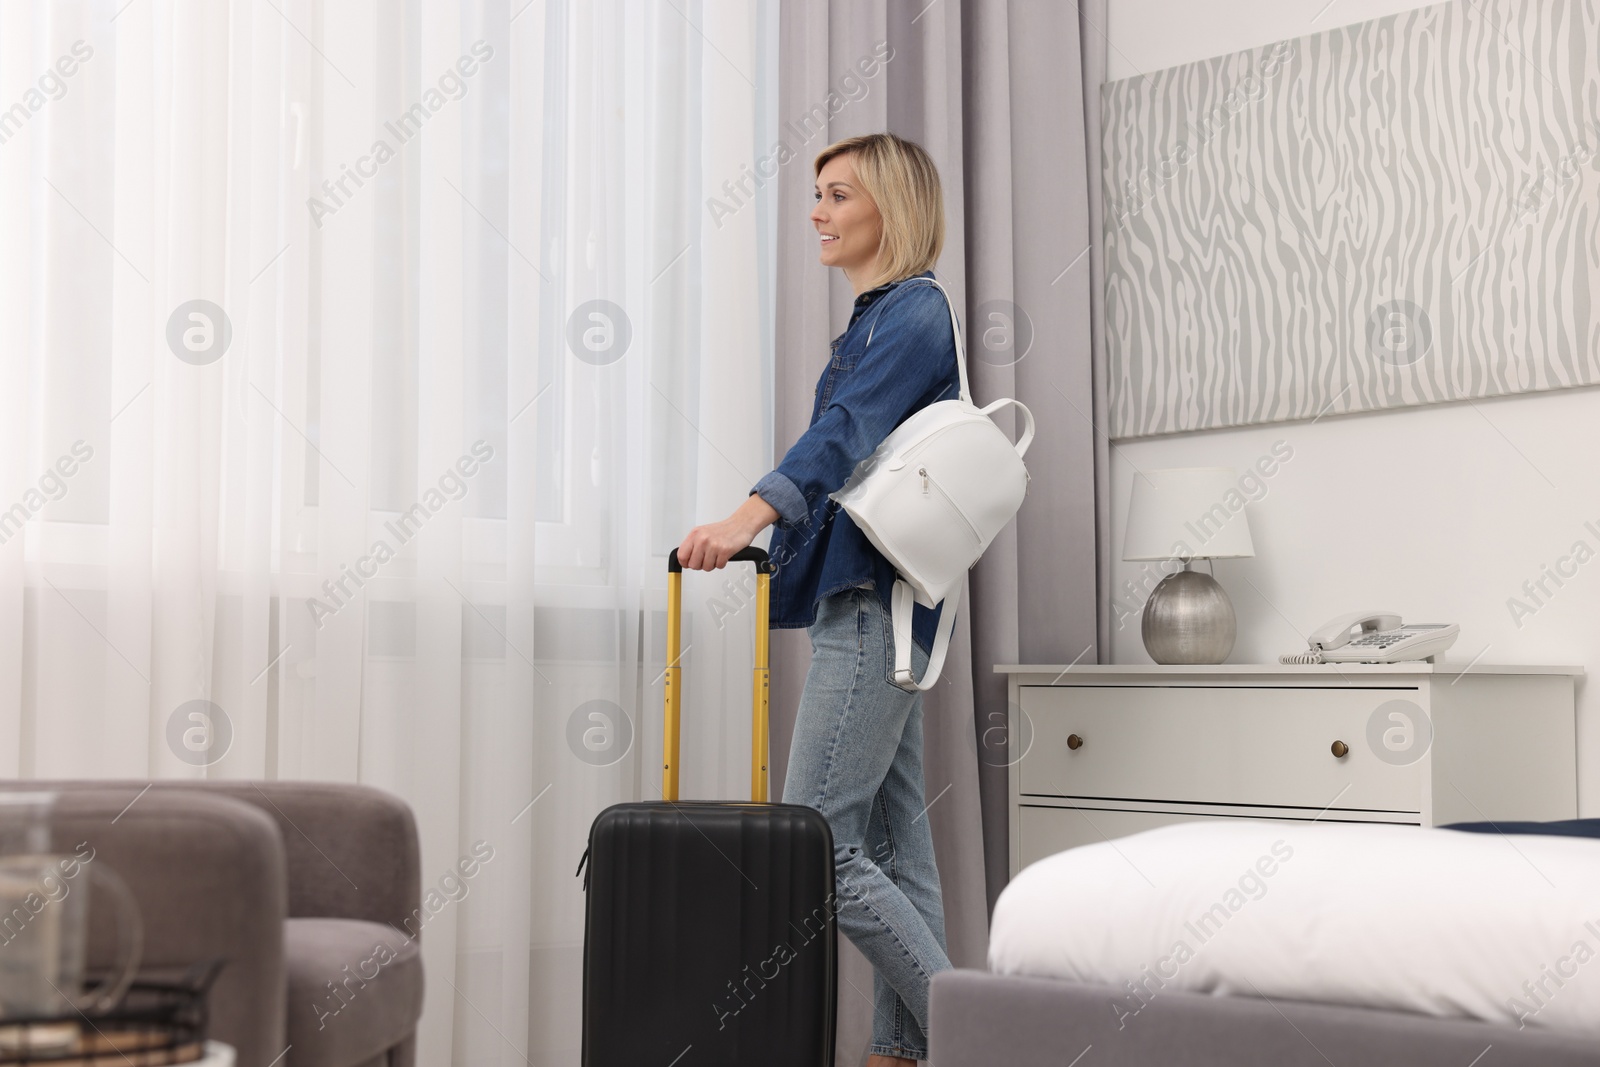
(1381, 638)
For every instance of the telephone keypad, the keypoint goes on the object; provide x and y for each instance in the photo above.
(1381, 640)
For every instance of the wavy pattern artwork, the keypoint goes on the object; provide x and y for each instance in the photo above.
(1404, 211)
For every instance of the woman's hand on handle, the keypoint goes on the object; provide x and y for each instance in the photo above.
(710, 547)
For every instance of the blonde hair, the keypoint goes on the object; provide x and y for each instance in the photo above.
(899, 177)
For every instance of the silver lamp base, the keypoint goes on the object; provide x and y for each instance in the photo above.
(1188, 619)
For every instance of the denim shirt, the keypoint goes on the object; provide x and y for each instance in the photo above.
(896, 357)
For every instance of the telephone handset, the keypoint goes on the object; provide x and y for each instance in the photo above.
(1375, 637)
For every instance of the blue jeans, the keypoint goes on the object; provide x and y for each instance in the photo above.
(857, 758)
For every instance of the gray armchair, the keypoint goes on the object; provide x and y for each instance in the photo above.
(309, 890)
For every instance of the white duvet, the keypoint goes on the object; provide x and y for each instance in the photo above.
(1502, 928)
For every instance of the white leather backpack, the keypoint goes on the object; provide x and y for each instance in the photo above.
(931, 497)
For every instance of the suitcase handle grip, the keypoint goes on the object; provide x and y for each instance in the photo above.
(758, 556)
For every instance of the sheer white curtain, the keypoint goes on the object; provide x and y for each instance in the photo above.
(318, 456)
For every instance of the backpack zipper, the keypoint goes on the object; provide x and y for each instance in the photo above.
(916, 450)
(926, 479)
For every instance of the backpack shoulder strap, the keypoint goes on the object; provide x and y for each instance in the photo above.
(955, 328)
(901, 603)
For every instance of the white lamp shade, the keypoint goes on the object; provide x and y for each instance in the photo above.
(1190, 512)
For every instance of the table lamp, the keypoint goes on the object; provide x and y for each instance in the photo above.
(1187, 513)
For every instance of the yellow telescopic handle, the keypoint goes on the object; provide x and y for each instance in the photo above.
(669, 738)
(758, 721)
(759, 739)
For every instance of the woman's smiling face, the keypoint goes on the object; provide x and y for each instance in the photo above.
(848, 224)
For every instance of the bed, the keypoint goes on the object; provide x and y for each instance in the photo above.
(1317, 992)
(981, 1019)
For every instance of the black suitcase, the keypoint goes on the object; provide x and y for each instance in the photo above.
(709, 931)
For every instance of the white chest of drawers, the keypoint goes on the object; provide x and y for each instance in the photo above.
(1099, 752)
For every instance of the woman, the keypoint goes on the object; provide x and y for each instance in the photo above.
(857, 749)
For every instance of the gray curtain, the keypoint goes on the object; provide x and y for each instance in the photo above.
(1005, 97)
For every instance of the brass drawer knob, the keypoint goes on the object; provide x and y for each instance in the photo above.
(1341, 749)
(1074, 742)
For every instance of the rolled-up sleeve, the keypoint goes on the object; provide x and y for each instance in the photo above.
(776, 489)
(910, 349)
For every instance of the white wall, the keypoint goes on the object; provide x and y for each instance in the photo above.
(1439, 512)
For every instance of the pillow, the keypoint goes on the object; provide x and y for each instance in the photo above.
(1433, 921)
(1563, 827)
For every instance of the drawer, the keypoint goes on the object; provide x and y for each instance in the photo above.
(1044, 831)
(1214, 745)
